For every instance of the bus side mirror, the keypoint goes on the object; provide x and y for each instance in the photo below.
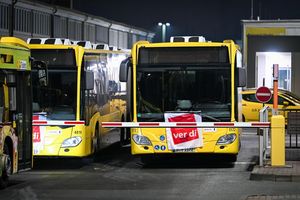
(242, 77)
(42, 71)
(123, 75)
(89, 80)
(286, 103)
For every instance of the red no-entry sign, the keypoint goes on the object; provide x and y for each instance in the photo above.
(263, 94)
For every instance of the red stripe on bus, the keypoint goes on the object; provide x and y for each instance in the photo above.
(223, 124)
(73, 122)
(149, 124)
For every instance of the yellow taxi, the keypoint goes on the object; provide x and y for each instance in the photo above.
(251, 106)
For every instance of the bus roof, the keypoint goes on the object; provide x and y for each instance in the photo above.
(185, 44)
(14, 54)
(75, 47)
(79, 50)
(14, 42)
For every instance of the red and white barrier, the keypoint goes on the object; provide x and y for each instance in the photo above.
(56, 123)
(186, 124)
(158, 124)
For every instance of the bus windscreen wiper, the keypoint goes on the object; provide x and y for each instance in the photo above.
(197, 112)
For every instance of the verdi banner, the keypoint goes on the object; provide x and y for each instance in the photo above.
(183, 138)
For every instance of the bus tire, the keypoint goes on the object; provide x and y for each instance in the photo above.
(96, 145)
(3, 180)
(7, 168)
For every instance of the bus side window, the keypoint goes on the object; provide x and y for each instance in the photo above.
(11, 83)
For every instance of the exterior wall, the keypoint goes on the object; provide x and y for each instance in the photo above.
(40, 20)
(296, 72)
(271, 36)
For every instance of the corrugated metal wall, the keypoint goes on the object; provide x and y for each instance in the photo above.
(33, 21)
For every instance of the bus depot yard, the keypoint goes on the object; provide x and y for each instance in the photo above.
(202, 104)
(115, 174)
(100, 123)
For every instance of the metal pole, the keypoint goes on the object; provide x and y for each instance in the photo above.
(251, 10)
(275, 88)
(263, 136)
(163, 32)
(261, 140)
(12, 18)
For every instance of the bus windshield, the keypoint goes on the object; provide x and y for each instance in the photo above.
(185, 88)
(57, 99)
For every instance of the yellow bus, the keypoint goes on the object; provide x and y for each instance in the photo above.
(15, 107)
(81, 91)
(184, 81)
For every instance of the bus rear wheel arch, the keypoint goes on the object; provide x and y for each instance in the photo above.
(96, 140)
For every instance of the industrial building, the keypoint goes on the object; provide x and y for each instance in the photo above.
(268, 42)
(27, 19)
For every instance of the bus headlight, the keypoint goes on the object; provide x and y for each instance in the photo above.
(71, 142)
(141, 140)
(227, 139)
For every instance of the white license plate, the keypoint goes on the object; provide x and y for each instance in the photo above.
(183, 150)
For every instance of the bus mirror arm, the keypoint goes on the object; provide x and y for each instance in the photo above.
(123, 75)
(42, 71)
(242, 77)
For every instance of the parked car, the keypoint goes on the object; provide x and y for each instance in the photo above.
(251, 106)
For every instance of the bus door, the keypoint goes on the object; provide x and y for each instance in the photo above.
(20, 95)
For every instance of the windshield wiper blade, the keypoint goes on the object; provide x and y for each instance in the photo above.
(210, 117)
(196, 112)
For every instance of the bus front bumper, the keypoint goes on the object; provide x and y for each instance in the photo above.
(159, 147)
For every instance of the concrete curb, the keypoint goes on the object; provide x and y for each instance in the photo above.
(290, 173)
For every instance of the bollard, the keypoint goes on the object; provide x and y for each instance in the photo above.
(277, 141)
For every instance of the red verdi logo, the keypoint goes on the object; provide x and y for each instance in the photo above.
(181, 135)
(183, 138)
(36, 137)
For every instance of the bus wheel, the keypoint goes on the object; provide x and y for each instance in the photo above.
(7, 168)
(96, 145)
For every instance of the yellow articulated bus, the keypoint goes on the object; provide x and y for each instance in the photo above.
(15, 107)
(81, 90)
(183, 81)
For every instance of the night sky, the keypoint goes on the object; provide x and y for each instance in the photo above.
(215, 19)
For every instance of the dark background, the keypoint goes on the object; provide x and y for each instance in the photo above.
(215, 19)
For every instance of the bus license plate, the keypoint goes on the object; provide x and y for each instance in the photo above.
(184, 150)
